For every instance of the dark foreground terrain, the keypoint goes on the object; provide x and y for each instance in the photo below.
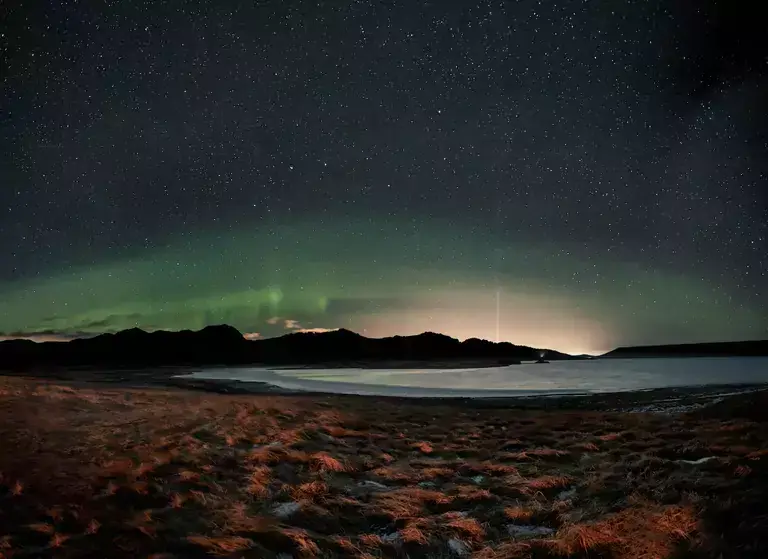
(164, 473)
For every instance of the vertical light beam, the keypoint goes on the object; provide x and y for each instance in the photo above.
(498, 312)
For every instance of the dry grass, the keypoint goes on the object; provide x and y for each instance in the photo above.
(258, 481)
(639, 533)
(312, 490)
(155, 473)
(221, 545)
(409, 502)
(323, 462)
(465, 528)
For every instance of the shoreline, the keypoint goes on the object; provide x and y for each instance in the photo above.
(676, 399)
(404, 364)
(667, 400)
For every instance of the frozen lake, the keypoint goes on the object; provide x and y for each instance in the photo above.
(562, 377)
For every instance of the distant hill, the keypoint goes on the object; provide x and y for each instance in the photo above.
(342, 345)
(226, 346)
(130, 348)
(716, 349)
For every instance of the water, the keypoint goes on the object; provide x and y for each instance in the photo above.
(562, 377)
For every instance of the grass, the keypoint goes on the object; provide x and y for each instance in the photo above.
(172, 474)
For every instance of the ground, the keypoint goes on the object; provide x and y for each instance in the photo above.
(169, 473)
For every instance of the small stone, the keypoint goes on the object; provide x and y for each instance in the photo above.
(522, 531)
(273, 444)
(284, 510)
(478, 479)
(393, 539)
(458, 547)
(697, 462)
(427, 484)
(373, 485)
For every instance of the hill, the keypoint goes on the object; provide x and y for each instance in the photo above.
(718, 349)
(224, 345)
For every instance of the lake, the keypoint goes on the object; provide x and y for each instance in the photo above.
(560, 377)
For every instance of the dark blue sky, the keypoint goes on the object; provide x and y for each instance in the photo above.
(601, 137)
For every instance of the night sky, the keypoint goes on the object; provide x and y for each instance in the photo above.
(575, 175)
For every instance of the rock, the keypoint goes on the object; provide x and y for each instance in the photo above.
(567, 495)
(427, 484)
(372, 485)
(393, 539)
(478, 479)
(458, 547)
(273, 444)
(366, 487)
(284, 510)
(522, 531)
(697, 462)
(326, 438)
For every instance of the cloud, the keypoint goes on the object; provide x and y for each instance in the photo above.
(251, 335)
(295, 326)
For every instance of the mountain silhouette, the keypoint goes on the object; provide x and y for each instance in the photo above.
(225, 345)
(716, 349)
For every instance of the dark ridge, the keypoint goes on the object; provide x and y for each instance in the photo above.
(751, 348)
(224, 345)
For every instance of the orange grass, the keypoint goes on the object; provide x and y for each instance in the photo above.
(169, 473)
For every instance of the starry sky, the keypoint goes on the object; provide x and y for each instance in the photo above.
(572, 174)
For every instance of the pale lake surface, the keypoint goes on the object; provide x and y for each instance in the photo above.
(561, 377)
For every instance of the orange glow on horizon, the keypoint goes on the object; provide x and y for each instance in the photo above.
(530, 320)
(38, 338)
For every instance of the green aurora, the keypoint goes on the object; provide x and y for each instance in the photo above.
(380, 279)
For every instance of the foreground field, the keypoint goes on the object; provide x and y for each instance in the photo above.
(90, 472)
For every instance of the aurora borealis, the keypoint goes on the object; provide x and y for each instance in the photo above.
(389, 168)
(407, 280)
